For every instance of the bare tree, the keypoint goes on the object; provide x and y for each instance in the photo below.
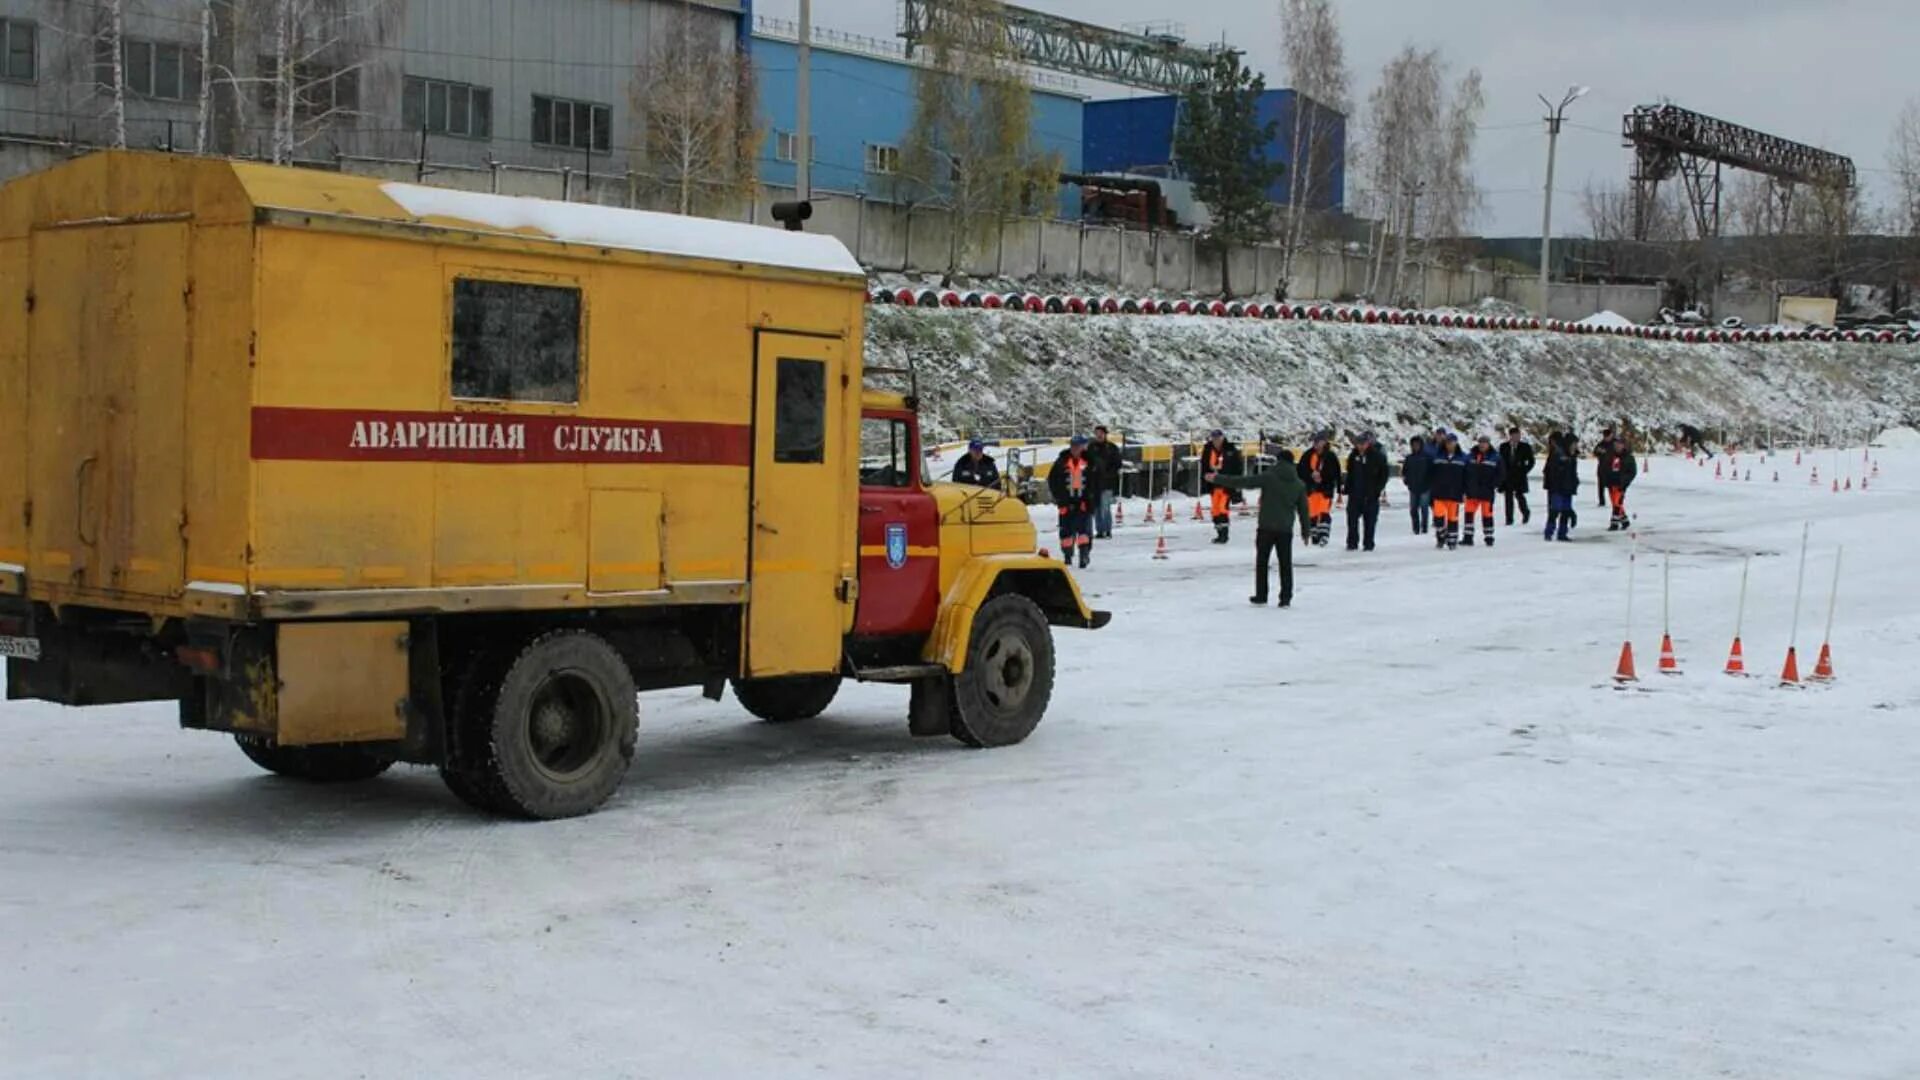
(1315, 56)
(1456, 200)
(312, 58)
(1903, 160)
(1404, 112)
(695, 99)
(969, 145)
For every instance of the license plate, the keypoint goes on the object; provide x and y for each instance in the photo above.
(20, 648)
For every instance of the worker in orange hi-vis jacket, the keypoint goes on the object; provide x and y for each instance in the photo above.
(1219, 456)
(1319, 469)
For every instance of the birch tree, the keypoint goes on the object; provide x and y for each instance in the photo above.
(313, 62)
(970, 146)
(1420, 159)
(1315, 55)
(694, 96)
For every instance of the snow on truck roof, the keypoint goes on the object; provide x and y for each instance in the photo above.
(628, 230)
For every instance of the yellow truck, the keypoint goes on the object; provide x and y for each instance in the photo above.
(366, 472)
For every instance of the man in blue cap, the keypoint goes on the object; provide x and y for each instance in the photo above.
(1074, 483)
(976, 468)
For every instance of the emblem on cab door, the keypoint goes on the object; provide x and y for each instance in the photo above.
(896, 546)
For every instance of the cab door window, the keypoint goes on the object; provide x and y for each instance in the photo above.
(886, 453)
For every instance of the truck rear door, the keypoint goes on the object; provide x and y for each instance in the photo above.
(799, 545)
(106, 407)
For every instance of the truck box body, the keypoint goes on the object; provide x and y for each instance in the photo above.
(256, 393)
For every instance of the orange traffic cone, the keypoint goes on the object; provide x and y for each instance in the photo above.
(1876, 470)
(1796, 457)
(1716, 470)
(1823, 667)
(1836, 487)
(1669, 664)
(1790, 675)
(1863, 483)
(1749, 476)
(1776, 476)
(1169, 514)
(1737, 660)
(1149, 513)
(1849, 483)
(1624, 672)
(1160, 548)
(1814, 476)
(1119, 513)
(1700, 462)
(1197, 514)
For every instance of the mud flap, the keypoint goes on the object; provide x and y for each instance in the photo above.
(930, 708)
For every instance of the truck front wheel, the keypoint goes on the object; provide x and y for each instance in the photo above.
(320, 764)
(551, 734)
(780, 701)
(999, 699)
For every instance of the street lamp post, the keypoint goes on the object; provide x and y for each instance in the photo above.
(1554, 115)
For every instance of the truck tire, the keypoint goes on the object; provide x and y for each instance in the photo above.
(331, 764)
(999, 699)
(782, 701)
(549, 734)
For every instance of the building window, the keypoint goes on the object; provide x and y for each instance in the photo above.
(882, 160)
(575, 125)
(785, 142)
(516, 342)
(154, 69)
(19, 43)
(800, 412)
(319, 89)
(446, 108)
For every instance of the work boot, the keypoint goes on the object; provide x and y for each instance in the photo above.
(1086, 552)
(1220, 534)
(1257, 601)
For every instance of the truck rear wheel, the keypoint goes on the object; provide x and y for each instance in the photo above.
(332, 764)
(999, 699)
(550, 734)
(781, 701)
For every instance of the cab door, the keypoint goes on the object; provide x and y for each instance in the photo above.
(899, 532)
(799, 540)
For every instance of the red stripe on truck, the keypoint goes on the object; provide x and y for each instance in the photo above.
(287, 434)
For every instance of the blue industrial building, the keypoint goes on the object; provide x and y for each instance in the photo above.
(863, 99)
(1135, 135)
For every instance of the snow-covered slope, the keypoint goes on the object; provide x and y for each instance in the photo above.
(1006, 372)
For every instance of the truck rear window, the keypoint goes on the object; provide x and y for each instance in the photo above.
(516, 342)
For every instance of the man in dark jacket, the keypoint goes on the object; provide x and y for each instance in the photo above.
(1283, 500)
(1516, 456)
(1620, 470)
(1414, 471)
(1319, 469)
(1561, 479)
(1105, 455)
(1600, 452)
(1447, 480)
(1218, 456)
(976, 468)
(1366, 481)
(1483, 482)
(1073, 482)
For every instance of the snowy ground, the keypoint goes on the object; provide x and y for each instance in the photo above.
(1404, 829)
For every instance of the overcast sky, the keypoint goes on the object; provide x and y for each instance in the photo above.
(1828, 72)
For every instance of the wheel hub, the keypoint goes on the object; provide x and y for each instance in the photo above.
(1008, 671)
(566, 725)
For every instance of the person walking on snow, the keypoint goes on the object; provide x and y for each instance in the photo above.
(1283, 499)
(1414, 471)
(1620, 471)
(1319, 469)
(1366, 482)
(1561, 479)
(976, 468)
(1600, 452)
(1105, 455)
(1484, 470)
(1516, 454)
(1447, 481)
(1073, 483)
(1219, 456)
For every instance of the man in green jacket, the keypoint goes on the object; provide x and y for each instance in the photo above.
(1283, 500)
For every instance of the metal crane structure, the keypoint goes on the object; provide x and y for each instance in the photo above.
(1669, 141)
(1151, 61)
